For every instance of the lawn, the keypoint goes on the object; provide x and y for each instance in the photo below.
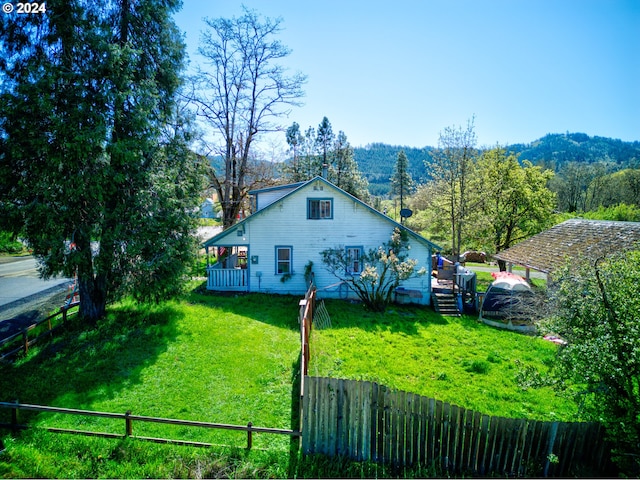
(456, 360)
(233, 359)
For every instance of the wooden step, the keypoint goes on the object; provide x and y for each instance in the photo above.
(445, 304)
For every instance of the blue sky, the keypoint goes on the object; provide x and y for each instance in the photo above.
(400, 72)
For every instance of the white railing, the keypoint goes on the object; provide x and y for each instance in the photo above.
(230, 279)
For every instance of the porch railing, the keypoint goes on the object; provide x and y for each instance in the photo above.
(229, 279)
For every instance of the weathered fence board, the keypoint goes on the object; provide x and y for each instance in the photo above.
(367, 421)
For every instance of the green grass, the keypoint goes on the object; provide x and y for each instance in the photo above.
(233, 359)
(456, 360)
(214, 359)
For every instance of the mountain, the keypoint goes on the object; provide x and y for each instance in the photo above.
(377, 160)
(553, 150)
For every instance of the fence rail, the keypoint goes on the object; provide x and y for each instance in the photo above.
(367, 421)
(20, 341)
(128, 418)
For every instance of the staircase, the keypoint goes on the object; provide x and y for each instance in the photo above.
(445, 304)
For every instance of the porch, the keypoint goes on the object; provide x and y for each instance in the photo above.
(227, 279)
(229, 271)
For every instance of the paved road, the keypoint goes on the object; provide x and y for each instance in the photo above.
(19, 280)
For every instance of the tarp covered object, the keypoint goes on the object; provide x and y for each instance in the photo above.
(506, 298)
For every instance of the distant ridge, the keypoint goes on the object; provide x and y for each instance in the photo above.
(377, 160)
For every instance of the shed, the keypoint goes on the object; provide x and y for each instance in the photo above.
(572, 240)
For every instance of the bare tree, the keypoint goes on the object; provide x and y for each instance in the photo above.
(450, 166)
(241, 95)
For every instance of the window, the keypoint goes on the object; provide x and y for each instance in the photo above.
(354, 260)
(319, 208)
(283, 260)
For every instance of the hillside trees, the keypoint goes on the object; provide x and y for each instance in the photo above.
(94, 159)
(596, 310)
(320, 148)
(242, 96)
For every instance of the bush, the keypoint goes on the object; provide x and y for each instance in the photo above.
(9, 244)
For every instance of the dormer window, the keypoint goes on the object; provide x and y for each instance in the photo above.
(319, 208)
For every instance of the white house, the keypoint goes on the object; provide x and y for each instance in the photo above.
(269, 250)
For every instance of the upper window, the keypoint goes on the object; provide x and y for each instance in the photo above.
(319, 208)
(354, 260)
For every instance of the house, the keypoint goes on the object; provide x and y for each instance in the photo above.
(207, 209)
(572, 240)
(269, 250)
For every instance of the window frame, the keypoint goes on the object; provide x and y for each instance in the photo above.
(350, 262)
(289, 262)
(320, 210)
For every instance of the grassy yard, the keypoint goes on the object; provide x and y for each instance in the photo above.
(457, 360)
(233, 359)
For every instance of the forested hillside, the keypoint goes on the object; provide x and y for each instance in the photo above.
(554, 150)
(377, 160)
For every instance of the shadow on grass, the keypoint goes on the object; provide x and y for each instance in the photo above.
(282, 311)
(89, 363)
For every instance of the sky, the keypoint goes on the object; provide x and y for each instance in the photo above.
(399, 72)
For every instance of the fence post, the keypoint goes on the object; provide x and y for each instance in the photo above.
(249, 436)
(14, 418)
(128, 424)
(25, 338)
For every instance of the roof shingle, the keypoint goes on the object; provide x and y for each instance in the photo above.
(572, 239)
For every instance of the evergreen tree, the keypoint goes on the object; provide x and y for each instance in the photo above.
(295, 171)
(324, 141)
(102, 183)
(344, 171)
(401, 181)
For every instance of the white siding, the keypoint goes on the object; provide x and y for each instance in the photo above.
(264, 199)
(286, 224)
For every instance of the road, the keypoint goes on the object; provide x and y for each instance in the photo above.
(19, 282)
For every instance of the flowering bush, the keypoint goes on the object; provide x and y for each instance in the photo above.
(383, 270)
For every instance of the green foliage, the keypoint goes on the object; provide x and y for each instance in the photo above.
(401, 181)
(8, 244)
(313, 151)
(377, 161)
(597, 311)
(514, 201)
(383, 269)
(99, 157)
(556, 149)
(621, 212)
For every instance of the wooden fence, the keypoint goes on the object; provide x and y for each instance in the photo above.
(367, 421)
(128, 420)
(22, 340)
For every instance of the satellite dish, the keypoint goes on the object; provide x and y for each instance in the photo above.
(406, 212)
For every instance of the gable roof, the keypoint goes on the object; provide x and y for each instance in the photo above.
(215, 240)
(572, 239)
